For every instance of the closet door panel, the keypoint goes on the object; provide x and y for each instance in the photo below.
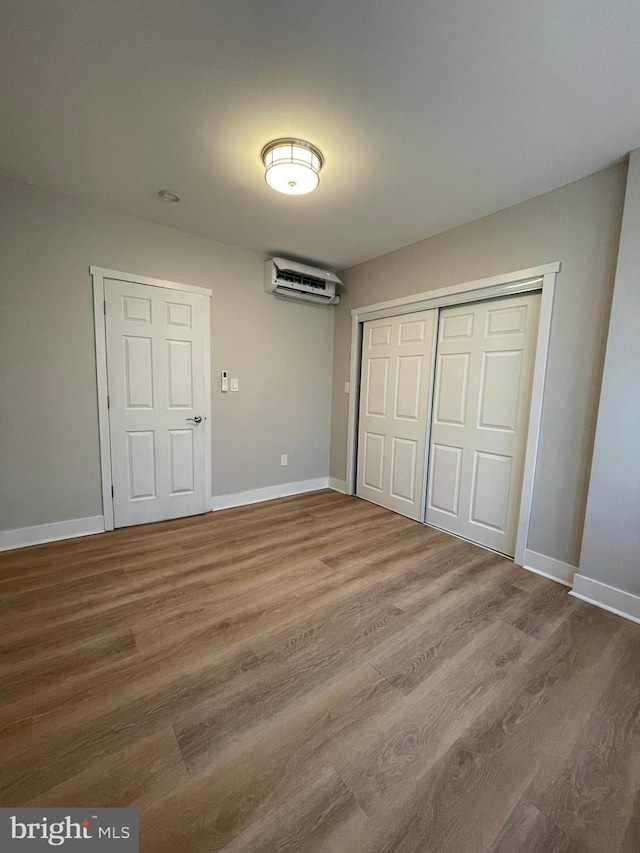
(395, 390)
(484, 372)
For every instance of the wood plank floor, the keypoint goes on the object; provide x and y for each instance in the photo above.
(317, 674)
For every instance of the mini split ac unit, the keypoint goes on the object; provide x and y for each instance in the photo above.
(299, 281)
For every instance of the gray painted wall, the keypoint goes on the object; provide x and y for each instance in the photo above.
(578, 225)
(49, 453)
(611, 542)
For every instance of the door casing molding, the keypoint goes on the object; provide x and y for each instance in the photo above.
(100, 276)
(541, 278)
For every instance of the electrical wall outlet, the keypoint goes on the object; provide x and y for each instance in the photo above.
(284, 459)
(346, 388)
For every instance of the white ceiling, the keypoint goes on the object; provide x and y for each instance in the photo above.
(430, 113)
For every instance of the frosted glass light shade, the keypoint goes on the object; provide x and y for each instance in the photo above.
(292, 166)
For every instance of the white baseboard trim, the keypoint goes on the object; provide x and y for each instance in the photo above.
(269, 493)
(607, 597)
(338, 485)
(549, 567)
(24, 536)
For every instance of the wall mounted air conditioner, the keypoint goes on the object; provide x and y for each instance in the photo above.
(299, 281)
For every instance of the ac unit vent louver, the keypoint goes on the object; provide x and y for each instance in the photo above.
(294, 278)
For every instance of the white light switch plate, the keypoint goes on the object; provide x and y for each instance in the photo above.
(234, 384)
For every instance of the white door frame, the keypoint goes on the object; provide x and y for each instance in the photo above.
(100, 276)
(543, 279)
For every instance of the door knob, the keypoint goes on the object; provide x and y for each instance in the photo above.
(196, 420)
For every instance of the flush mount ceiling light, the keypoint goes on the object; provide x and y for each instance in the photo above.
(292, 166)
(168, 195)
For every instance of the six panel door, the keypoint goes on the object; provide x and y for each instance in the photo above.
(156, 351)
(484, 371)
(397, 356)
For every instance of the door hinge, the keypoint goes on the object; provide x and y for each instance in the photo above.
(111, 491)
(104, 306)
(108, 402)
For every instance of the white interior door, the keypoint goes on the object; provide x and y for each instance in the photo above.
(484, 373)
(397, 359)
(157, 347)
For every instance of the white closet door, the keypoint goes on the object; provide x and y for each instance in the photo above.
(156, 351)
(397, 356)
(484, 372)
